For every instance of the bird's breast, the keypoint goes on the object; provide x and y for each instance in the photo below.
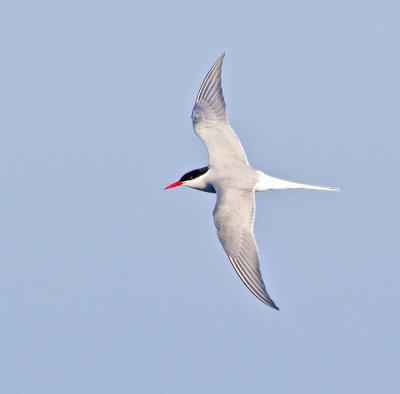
(238, 177)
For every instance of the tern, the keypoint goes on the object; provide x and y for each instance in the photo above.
(235, 182)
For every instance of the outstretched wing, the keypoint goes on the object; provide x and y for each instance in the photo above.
(210, 121)
(234, 219)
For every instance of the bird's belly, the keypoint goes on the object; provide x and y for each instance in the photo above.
(238, 177)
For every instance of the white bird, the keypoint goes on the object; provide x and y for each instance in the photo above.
(235, 182)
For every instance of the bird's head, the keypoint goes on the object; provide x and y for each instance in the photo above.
(194, 179)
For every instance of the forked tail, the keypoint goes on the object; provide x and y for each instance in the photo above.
(268, 182)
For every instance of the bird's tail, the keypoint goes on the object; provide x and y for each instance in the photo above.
(267, 182)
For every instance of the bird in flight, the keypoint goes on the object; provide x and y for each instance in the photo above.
(235, 182)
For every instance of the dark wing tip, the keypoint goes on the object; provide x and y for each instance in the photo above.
(210, 103)
(212, 81)
(270, 303)
(273, 305)
(252, 281)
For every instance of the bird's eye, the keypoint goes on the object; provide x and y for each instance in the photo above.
(193, 174)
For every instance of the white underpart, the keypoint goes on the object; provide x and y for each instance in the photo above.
(235, 181)
(268, 182)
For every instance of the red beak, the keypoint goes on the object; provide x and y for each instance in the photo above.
(174, 185)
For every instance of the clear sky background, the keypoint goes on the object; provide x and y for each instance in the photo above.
(108, 284)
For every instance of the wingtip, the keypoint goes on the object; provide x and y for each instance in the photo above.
(220, 59)
(210, 102)
(273, 305)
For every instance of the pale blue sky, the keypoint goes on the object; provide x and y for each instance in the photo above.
(108, 284)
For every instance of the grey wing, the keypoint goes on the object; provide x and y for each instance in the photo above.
(234, 219)
(210, 121)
